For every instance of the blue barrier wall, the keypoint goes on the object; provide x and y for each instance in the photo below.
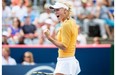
(93, 61)
(41, 55)
(28, 70)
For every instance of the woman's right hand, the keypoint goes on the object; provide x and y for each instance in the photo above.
(47, 33)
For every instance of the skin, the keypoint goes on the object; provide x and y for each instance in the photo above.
(15, 25)
(5, 54)
(62, 14)
(27, 59)
(96, 40)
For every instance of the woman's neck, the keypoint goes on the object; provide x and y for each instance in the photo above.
(65, 18)
(6, 57)
(15, 27)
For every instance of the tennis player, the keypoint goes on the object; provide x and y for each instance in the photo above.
(67, 64)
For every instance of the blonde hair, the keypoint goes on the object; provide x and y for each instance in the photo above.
(6, 48)
(31, 56)
(68, 4)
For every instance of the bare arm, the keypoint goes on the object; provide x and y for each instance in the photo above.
(9, 31)
(55, 42)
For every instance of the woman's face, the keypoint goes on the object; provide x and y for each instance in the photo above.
(27, 57)
(96, 41)
(60, 13)
(5, 53)
(15, 22)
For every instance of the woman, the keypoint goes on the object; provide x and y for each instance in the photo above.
(28, 59)
(15, 28)
(66, 41)
(96, 41)
(6, 58)
(14, 31)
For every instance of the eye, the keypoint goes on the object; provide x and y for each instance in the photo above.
(56, 9)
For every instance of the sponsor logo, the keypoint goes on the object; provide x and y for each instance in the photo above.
(39, 69)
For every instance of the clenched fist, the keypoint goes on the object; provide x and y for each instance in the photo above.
(47, 33)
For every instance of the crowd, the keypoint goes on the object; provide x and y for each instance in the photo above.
(8, 60)
(27, 57)
(22, 24)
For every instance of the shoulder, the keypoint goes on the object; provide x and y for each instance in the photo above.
(32, 25)
(24, 62)
(24, 26)
(67, 22)
(12, 59)
(52, 14)
(43, 14)
(70, 22)
(32, 63)
(7, 8)
(104, 8)
(3, 58)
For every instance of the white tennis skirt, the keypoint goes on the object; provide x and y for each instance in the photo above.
(67, 66)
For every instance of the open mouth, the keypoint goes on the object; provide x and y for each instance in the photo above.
(57, 16)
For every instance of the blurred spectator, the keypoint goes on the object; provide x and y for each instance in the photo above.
(30, 32)
(57, 27)
(75, 4)
(49, 24)
(17, 2)
(28, 2)
(40, 33)
(6, 14)
(47, 15)
(5, 38)
(85, 12)
(81, 38)
(6, 59)
(107, 2)
(20, 10)
(8, 2)
(14, 31)
(96, 41)
(103, 13)
(14, 3)
(89, 18)
(33, 14)
(28, 59)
